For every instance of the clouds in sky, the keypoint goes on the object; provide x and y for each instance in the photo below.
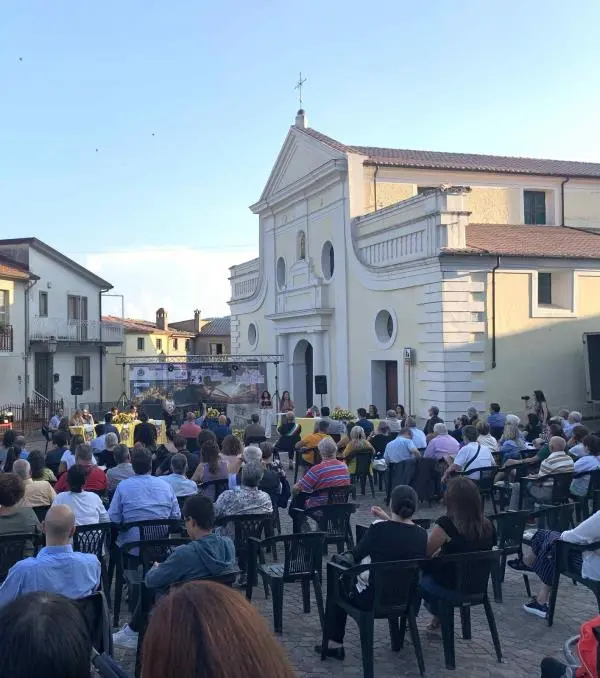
(177, 278)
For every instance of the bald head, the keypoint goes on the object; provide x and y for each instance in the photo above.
(557, 444)
(59, 525)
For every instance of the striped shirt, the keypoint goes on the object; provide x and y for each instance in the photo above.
(329, 473)
(557, 462)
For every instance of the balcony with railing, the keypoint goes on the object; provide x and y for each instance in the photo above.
(244, 280)
(6, 338)
(68, 330)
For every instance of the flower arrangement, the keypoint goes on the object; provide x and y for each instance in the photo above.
(239, 433)
(212, 413)
(340, 414)
(123, 418)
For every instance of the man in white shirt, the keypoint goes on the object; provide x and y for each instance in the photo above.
(401, 448)
(470, 457)
(393, 422)
(418, 437)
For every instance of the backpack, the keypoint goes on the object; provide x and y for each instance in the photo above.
(588, 649)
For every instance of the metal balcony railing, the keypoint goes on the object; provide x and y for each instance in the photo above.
(6, 338)
(63, 329)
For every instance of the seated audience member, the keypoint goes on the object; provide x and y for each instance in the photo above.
(496, 420)
(95, 478)
(206, 555)
(272, 471)
(459, 425)
(442, 445)
(363, 421)
(181, 637)
(485, 437)
(380, 438)
(177, 479)
(55, 421)
(99, 442)
(190, 428)
(252, 453)
(394, 424)
(8, 440)
(109, 427)
(212, 467)
(39, 470)
(512, 442)
(164, 450)
(542, 447)
(401, 448)
(106, 457)
(318, 479)
(358, 445)
(335, 427)
(87, 506)
(56, 568)
(418, 437)
(15, 518)
(49, 626)
(68, 458)
(463, 529)
(372, 413)
(87, 417)
(575, 442)
(557, 462)
(541, 561)
(588, 462)
(37, 493)
(307, 445)
(181, 448)
(254, 430)
(434, 419)
(387, 539)
(20, 448)
(222, 429)
(246, 499)
(231, 452)
(470, 457)
(401, 413)
(142, 497)
(289, 434)
(77, 419)
(473, 415)
(145, 432)
(574, 419)
(122, 470)
(533, 429)
(54, 456)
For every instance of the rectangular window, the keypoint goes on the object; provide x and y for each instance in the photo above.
(175, 344)
(545, 289)
(140, 343)
(216, 349)
(43, 305)
(187, 344)
(82, 369)
(535, 207)
(4, 318)
(159, 344)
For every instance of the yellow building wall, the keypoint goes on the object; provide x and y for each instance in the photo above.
(388, 193)
(538, 353)
(582, 207)
(495, 205)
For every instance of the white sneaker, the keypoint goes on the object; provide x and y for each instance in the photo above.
(126, 638)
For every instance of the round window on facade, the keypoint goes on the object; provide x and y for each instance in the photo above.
(252, 335)
(385, 328)
(281, 272)
(327, 260)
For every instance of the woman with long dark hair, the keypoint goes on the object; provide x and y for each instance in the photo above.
(540, 407)
(286, 404)
(463, 529)
(39, 470)
(212, 467)
(266, 413)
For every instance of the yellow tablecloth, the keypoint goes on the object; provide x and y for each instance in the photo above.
(125, 432)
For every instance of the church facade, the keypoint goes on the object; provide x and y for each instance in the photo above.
(421, 278)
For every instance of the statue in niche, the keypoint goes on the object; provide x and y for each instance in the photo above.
(302, 245)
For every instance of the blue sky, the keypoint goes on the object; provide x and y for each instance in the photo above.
(188, 102)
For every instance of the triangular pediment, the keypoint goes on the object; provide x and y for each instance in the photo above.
(300, 155)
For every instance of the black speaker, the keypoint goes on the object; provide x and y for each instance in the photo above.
(76, 385)
(321, 384)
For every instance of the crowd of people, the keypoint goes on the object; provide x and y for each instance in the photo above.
(83, 484)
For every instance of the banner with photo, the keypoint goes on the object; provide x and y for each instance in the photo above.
(190, 384)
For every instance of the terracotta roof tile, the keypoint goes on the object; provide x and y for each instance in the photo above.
(142, 326)
(469, 162)
(530, 241)
(14, 270)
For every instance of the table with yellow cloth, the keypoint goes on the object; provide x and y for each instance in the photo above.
(125, 432)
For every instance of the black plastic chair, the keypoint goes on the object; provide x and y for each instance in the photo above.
(94, 610)
(333, 520)
(95, 539)
(339, 495)
(254, 525)
(214, 488)
(395, 593)
(561, 487)
(13, 547)
(363, 473)
(568, 562)
(40, 512)
(120, 557)
(276, 516)
(510, 527)
(303, 555)
(583, 511)
(485, 483)
(47, 436)
(255, 440)
(472, 576)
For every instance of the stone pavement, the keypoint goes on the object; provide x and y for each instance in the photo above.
(525, 639)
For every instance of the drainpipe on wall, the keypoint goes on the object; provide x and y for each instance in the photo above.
(28, 287)
(375, 186)
(496, 267)
(562, 200)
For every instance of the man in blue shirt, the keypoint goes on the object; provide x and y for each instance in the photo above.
(363, 422)
(142, 497)
(56, 568)
(401, 448)
(496, 420)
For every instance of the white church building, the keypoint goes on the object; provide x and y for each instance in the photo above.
(417, 277)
